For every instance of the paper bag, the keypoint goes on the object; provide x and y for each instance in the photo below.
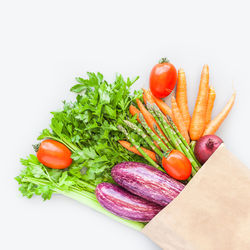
(211, 213)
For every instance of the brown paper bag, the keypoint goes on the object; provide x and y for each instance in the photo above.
(211, 213)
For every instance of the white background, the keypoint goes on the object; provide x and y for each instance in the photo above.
(45, 44)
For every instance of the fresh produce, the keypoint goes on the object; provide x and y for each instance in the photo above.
(147, 96)
(147, 116)
(162, 78)
(213, 126)
(163, 137)
(133, 149)
(171, 139)
(134, 112)
(156, 138)
(140, 132)
(210, 104)
(165, 109)
(142, 152)
(181, 97)
(198, 121)
(177, 165)
(206, 146)
(108, 134)
(171, 134)
(54, 154)
(124, 204)
(192, 145)
(88, 127)
(178, 120)
(176, 139)
(146, 182)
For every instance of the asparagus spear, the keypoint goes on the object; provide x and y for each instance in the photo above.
(168, 129)
(144, 136)
(132, 141)
(176, 140)
(165, 140)
(163, 147)
(185, 151)
(167, 143)
(182, 139)
(192, 145)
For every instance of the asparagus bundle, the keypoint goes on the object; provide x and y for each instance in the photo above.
(122, 129)
(165, 134)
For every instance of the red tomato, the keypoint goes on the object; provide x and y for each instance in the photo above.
(54, 154)
(162, 78)
(177, 165)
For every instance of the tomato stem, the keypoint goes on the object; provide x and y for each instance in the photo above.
(36, 146)
(163, 60)
(167, 153)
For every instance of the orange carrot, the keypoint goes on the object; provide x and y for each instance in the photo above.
(148, 97)
(156, 145)
(210, 104)
(147, 116)
(181, 97)
(198, 121)
(150, 120)
(178, 120)
(134, 111)
(130, 148)
(165, 109)
(213, 126)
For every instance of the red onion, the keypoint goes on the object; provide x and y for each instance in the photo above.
(206, 146)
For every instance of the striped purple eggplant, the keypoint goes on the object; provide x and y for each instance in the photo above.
(124, 204)
(146, 182)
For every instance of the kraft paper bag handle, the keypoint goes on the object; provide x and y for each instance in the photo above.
(211, 213)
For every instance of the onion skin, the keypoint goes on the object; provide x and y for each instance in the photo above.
(206, 146)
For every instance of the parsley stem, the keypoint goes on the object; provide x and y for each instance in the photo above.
(85, 198)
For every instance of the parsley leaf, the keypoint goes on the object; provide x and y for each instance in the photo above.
(88, 127)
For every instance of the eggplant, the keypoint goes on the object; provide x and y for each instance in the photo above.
(146, 182)
(120, 202)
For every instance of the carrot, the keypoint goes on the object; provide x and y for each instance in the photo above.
(148, 97)
(198, 121)
(181, 97)
(146, 114)
(130, 148)
(213, 126)
(150, 120)
(178, 120)
(165, 109)
(210, 104)
(156, 144)
(134, 111)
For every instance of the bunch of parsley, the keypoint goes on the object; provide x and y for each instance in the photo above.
(88, 127)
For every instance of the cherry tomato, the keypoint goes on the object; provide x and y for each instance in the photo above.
(54, 154)
(177, 165)
(162, 78)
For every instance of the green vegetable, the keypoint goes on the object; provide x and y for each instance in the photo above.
(191, 152)
(163, 147)
(140, 132)
(192, 145)
(88, 127)
(39, 180)
(165, 140)
(134, 143)
(175, 139)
